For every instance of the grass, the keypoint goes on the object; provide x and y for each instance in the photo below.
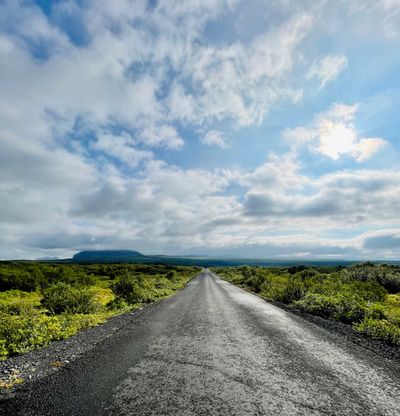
(12, 380)
(41, 303)
(365, 296)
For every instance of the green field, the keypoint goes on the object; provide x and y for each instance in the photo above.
(365, 296)
(41, 303)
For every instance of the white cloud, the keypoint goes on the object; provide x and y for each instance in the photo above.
(70, 205)
(271, 54)
(340, 199)
(161, 135)
(340, 111)
(278, 174)
(328, 68)
(334, 134)
(229, 79)
(376, 17)
(30, 26)
(367, 147)
(181, 105)
(386, 240)
(297, 136)
(215, 138)
(121, 147)
(121, 74)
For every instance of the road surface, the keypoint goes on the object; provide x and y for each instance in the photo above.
(214, 349)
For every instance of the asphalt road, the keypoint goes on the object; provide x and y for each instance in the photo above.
(214, 349)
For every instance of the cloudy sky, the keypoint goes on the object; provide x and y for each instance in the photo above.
(214, 127)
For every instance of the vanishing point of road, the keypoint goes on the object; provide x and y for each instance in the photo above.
(214, 349)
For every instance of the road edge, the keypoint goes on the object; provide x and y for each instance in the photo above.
(43, 362)
(346, 332)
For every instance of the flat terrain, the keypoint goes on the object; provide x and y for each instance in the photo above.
(214, 349)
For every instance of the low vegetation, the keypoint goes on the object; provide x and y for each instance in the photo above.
(41, 302)
(366, 296)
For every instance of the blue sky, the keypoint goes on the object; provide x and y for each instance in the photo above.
(217, 127)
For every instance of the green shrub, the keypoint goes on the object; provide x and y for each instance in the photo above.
(296, 269)
(130, 288)
(3, 348)
(386, 275)
(295, 289)
(370, 291)
(20, 334)
(350, 310)
(306, 273)
(17, 302)
(345, 309)
(390, 280)
(18, 308)
(379, 329)
(274, 287)
(172, 276)
(376, 311)
(16, 278)
(63, 297)
(257, 280)
(317, 304)
(71, 275)
(116, 303)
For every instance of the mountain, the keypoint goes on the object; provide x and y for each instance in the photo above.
(107, 256)
(129, 256)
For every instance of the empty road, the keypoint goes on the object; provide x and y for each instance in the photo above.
(214, 349)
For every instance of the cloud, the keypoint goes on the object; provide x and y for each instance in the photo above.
(376, 17)
(161, 136)
(298, 136)
(278, 173)
(215, 138)
(328, 68)
(271, 54)
(367, 147)
(139, 68)
(30, 27)
(334, 134)
(385, 239)
(169, 209)
(339, 112)
(340, 199)
(122, 148)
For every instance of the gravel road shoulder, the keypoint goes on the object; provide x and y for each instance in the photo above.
(45, 361)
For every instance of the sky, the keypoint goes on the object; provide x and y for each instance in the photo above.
(264, 129)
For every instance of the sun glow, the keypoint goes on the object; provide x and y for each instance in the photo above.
(336, 139)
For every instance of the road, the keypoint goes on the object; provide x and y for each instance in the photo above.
(214, 349)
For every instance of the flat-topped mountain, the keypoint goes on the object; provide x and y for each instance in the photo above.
(107, 256)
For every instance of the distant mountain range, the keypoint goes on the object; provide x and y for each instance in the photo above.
(106, 256)
(130, 256)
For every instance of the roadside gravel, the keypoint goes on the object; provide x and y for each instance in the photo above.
(42, 362)
(346, 331)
